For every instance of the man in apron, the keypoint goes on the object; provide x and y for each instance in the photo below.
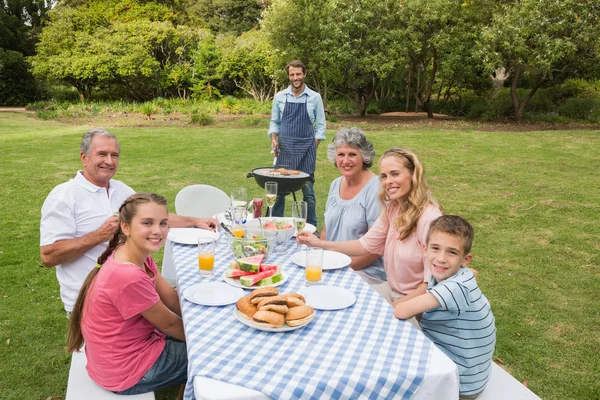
(297, 127)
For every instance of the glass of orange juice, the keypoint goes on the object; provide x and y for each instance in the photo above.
(314, 265)
(206, 256)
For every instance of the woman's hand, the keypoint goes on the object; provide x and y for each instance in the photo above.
(308, 239)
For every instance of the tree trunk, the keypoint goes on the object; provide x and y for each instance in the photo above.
(519, 106)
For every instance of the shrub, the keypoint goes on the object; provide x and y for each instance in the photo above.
(254, 122)
(148, 109)
(579, 108)
(201, 119)
(46, 114)
(576, 88)
(229, 104)
(477, 111)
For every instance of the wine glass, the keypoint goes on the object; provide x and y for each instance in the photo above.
(239, 197)
(270, 195)
(299, 211)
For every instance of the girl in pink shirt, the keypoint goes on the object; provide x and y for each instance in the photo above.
(400, 231)
(123, 304)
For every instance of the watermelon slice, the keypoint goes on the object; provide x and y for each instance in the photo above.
(250, 264)
(233, 265)
(236, 273)
(250, 280)
(270, 280)
(267, 267)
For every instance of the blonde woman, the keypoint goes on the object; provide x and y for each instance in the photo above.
(400, 231)
(125, 308)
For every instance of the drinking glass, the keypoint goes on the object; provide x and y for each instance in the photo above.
(270, 195)
(239, 197)
(314, 265)
(206, 256)
(238, 215)
(299, 211)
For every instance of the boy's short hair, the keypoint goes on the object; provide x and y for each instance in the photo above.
(455, 226)
(295, 64)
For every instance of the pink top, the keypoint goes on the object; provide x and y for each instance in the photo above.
(403, 260)
(120, 344)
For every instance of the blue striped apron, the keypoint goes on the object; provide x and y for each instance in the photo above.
(297, 146)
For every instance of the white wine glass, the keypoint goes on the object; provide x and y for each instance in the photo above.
(299, 212)
(239, 197)
(270, 195)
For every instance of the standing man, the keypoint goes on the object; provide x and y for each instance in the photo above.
(297, 127)
(78, 216)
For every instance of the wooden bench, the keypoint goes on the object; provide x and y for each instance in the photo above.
(82, 387)
(503, 385)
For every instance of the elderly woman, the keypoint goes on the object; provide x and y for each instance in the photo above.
(353, 205)
(400, 231)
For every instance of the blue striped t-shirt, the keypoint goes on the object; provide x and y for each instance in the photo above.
(463, 328)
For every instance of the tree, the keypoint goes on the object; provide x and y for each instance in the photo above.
(540, 40)
(344, 43)
(249, 60)
(17, 86)
(134, 50)
(227, 16)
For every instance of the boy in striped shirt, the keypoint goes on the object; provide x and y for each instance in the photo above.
(456, 315)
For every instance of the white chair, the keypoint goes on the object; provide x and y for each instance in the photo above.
(503, 385)
(81, 386)
(200, 201)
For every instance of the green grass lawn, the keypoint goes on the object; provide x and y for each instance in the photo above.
(533, 198)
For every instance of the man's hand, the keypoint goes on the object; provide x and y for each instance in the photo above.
(106, 231)
(206, 223)
(274, 144)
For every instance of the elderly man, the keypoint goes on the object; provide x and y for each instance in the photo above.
(78, 216)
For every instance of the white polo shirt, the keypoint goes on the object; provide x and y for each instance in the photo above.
(74, 209)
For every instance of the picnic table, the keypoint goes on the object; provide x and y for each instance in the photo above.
(361, 351)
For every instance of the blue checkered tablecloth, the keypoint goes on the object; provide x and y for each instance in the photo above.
(358, 352)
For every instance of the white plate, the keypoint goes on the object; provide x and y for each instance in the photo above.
(213, 294)
(325, 297)
(190, 235)
(285, 328)
(236, 282)
(331, 259)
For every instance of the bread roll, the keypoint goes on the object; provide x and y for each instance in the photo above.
(273, 303)
(299, 315)
(246, 307)
(268, 319)
(259, 294)
(294, 299)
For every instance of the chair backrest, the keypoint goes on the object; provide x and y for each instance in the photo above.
(201, 201)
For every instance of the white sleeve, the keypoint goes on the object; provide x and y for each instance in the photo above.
(57, 223)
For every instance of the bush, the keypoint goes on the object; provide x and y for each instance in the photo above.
(17, 85)
(579, 108)
(340, 107)
(576, 88)
(254, 122)
(201, 119)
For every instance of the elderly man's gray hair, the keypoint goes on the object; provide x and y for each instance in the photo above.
(86, 141)
(355, 138)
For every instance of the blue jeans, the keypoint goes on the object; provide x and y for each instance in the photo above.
(308, 194)
(170, 369)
